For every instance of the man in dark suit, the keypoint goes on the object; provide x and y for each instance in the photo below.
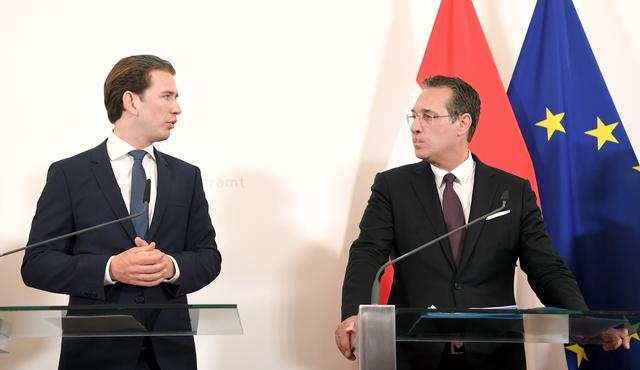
(159, 257)
(416, 203)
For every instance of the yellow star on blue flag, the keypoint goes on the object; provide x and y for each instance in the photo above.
(632, 329)
(552, 123)
(579, 351)
(603, 132)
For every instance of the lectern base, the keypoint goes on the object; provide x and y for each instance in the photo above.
(4, 336)
(377, 337)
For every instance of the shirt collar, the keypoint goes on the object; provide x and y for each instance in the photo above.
(117, 148)
(463, 173)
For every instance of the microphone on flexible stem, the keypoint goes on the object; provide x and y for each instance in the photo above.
(145, 199)
(375, 289)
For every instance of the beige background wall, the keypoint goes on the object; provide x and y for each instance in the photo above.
(290, 107)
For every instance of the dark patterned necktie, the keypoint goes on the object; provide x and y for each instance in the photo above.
(453, 217)
(138, 180)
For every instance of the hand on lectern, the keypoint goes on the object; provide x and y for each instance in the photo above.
(614, 338)
(346, 335)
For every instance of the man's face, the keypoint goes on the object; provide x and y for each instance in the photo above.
(158, 107)
(434, 140)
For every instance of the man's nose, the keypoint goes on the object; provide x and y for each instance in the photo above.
(416, 127)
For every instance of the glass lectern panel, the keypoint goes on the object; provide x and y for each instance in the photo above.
(119, 320)
(381, 326)
(547, 325)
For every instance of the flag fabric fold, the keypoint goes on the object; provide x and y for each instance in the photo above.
(587, 172)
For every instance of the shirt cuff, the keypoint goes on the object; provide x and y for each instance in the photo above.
(107, 277)
(176, 276)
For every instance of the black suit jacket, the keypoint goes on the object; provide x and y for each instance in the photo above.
(404, 211)
(82, 191)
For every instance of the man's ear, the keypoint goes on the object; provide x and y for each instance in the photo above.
(130, 102)
(464, 122)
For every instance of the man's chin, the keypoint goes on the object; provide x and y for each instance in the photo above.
(162, 137)
(421, 155)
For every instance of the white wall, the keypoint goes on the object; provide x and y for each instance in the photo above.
(299, 102)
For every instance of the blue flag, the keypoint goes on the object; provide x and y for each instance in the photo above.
(588, 175)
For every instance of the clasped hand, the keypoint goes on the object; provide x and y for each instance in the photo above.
(142, 265)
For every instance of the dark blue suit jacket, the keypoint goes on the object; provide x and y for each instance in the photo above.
(82, 191)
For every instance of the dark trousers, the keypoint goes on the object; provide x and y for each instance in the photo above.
(429, 356)
(477, 356)
(453, 359)
(147, 359)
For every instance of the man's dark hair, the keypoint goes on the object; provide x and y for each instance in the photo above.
(130, 74)
(465, 99)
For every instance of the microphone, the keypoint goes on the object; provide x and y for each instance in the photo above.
(145, 199)
(375, 289)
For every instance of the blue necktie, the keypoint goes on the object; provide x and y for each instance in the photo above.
(138, 180)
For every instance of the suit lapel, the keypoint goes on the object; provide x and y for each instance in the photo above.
(484, 191)
(101, 167)
(425, 187)
(164, 189)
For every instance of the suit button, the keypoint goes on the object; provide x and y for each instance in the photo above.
(139, 299)
(457, 286)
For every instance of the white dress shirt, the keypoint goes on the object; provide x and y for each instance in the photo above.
(122, 163)
(463, 184)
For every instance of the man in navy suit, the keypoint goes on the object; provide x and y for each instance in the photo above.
(416, 203)
(158, 258)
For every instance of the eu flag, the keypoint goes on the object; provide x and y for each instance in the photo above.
(588, 175)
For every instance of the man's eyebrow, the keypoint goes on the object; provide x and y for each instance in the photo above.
(170, 92)
(424, 110)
